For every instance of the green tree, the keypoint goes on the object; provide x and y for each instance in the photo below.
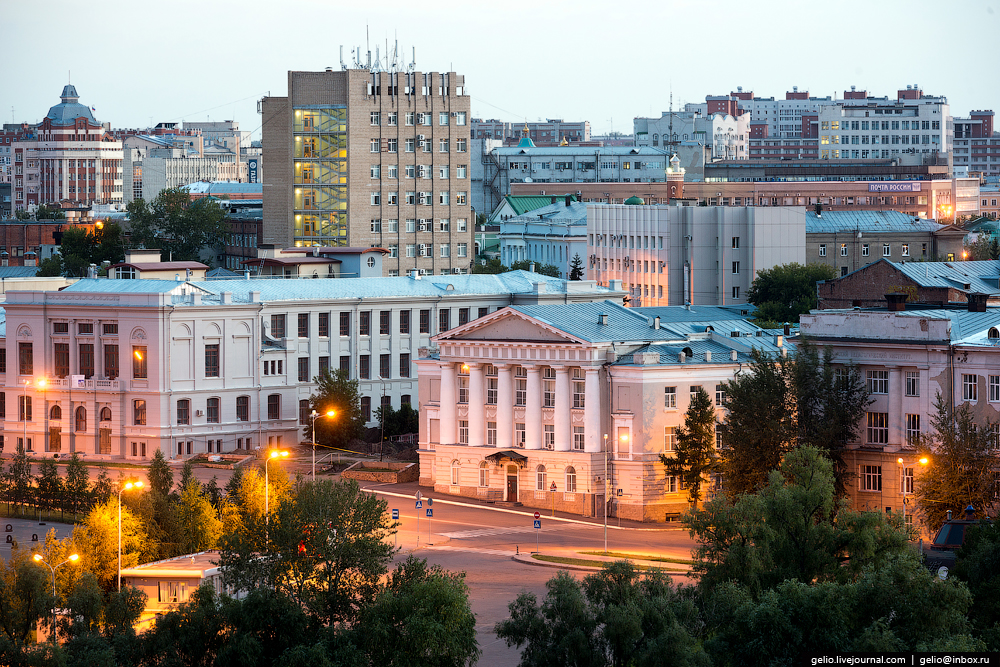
(543, 269)
(327, 549)
(694, 455)
(97, 540)
(18, 479)
(25, 596)
(49, 485)
(492, 266)
(159, 474)
(398, 422)
(177, 226)
(960, 472)
(421, 616)
(616, 617)
(794, 528)
(335, 390)
(77, 483)
(76, 249)
(784, 292)
(576, 270)
(187, 474)
(103, 488)
(50, 267)
(978, 565)
(200, 526)
(983, 248)
(49, 213)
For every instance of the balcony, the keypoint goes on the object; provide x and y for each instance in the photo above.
(89, 383)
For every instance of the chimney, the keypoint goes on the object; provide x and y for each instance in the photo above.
(708, 355)
(531, 267)
(896, 302)
(246, 274)
(227, 297)
(552, 200)
(569, 199)
(656, 322)
(970, 513)
(779, 341)
(788, 328)
(681, 357)
(733, 354)
(977, 302)
(415, 274)
(254, 297)
(602, 318)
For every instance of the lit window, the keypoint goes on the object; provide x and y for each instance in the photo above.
(970, 387)
(878, 428)
(670, 397)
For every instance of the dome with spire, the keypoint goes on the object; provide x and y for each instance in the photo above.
(525, 141)
(66, 112)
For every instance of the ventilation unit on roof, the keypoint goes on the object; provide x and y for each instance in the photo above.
(734, 334)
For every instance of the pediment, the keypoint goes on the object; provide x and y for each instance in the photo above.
(509, 326)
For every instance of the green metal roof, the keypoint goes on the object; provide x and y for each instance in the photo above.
(525, 203)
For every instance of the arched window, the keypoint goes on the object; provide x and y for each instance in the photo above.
(55, 414)
(571, 480)
(81, 418)
(105, 414)
(484, 474)
(993, 333)
(656, 140)
(455, 467)
(540, 478)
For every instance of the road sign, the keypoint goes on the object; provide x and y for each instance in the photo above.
(430, 501)
(538, 524)
(419, 495)
(430, 512)
(619, 492)
(420, 504)
(395, 515)
(537, 515)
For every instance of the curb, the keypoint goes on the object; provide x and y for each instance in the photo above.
(526, 559)
(375, 489)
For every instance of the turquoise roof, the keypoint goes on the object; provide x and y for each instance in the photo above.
(70, 109)
(831, 222)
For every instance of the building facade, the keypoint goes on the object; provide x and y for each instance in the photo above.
(192, 367)
(370, 158)
(571, 406)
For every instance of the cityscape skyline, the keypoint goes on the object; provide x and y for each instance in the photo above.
(170, 71)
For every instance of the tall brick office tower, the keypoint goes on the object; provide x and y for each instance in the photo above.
(358, 158)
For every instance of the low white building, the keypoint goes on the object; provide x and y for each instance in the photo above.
(570, 406)
(676, 255)
(216, 366)
(552, 234)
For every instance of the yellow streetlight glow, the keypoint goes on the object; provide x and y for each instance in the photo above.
(74, 557)
(41, 383)
(924, 461)
(38, 558)
(331, 413)
(275, 453)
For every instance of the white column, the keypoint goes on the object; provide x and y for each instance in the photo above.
(563, 416)
(477, 401)
(449, 404)
(533, 410)
(592, 401)
(505, 406)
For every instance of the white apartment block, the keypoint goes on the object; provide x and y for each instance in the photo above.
(217, 366)
(726, 137)
(678, 255)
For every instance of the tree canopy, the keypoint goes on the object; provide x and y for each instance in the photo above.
(784, 292)
(576, 268)
(694, 455)
(180, 228)
(335, 390)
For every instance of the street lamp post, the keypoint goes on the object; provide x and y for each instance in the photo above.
(381, 442)
(607, 465)
(274, 454)
(923, 461)
(314, 415)
(126, 487)
(39, 559)
(24, 411)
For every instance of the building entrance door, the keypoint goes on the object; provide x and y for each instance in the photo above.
(512, 484)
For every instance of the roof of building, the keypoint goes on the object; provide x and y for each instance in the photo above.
(163, 266)
(832, 222)
(526, 203)
(122, 285)
(574, 214)
(199, 565)
(223, 187)
(967, 328)
(221, 272)
(69, 109)
(18, 272)
(584, 151)
(979, 276)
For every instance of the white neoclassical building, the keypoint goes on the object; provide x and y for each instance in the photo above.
(189, 367)
(566, 406)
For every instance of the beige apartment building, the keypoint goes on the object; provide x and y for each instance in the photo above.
(366, 158)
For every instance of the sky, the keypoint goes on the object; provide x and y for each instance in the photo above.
(140, 63)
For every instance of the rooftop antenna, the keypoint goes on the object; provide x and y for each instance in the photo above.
(368, 48)
(413, 62)
(342, 65)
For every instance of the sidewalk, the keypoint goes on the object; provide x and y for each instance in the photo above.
(409, 490)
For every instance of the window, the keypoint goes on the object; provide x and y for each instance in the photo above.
(324, 365)
(384, 366)
(85, 328)
(736, 291)
(864, 249)
(303, 369)
(970, 387)
(24, 408)
(364, 367)
(375, 171)
(463, 389)
(463, 249)
(444, 318)
(61, 351)
(404, 365)
(212, 411)
(374, 146)
(491, 390)
(913, 383)
(905, 250)
(736, 268)
(425, 321)
(912, 430)
(345, 324)
(242, 408)
(491, 434)
(26, 359)
(60, 327)
(549, 387)
(463, 431)
(459, 118)
(670, 484)
(579, 438)
(886, 252)
(345, 364)
(822, 250)
(878, 428)
(994, 382)
(404, 322)
(303, 325)
(444, 197)
(519, 435)
(375, 117)
(274, 406)
(138, 361)
(139, 412)
(579, 388)
(366, 408)
(520, 386)
(571, 480)
(461, 171)
(670, 397)
(183, 412)
(86, 360)
(212, 360)
(277, 326)
(460, 145)
(540, 478)
(669, 438)
(365, 323)
(878, 382)
(443, 145)
(304, 411)
(463, 318)
(484, 474)
(550, 436)
(871, 478)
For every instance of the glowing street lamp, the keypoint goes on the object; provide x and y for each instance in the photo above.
(313, 416)
(128, 486)
(39, 559)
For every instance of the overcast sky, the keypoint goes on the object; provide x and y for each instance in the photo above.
(142, 62)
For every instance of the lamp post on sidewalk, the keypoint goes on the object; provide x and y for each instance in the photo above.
(126, 487)
(313, 416)
(273, 454)
(607, 465)
(39, 559)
